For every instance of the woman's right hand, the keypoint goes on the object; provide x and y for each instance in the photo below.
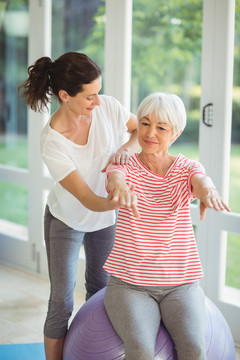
(122, 195)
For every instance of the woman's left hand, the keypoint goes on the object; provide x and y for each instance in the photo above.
(121, 157)
(210, 199)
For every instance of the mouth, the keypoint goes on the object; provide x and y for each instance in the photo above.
(90, 109)
(148, 142)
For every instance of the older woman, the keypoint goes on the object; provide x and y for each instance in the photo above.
(154, 264)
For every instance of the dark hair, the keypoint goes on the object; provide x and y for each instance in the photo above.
(46, 78)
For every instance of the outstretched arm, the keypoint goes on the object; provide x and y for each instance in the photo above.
(204, 189)
(79, 188)
(120, 191)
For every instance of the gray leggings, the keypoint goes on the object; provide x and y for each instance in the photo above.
(62, 246)
(136, 312)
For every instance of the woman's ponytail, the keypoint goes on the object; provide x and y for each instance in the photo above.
(37, 88)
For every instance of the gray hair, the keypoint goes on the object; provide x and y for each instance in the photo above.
(169, 108)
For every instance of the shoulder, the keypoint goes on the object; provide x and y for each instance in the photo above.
(110, 103)
(45, 134)
(189, 165)
(134, 166)
(52, 141)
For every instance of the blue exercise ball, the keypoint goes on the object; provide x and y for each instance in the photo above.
(91, 336)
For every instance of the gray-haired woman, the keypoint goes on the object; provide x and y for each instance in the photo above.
(154, 264)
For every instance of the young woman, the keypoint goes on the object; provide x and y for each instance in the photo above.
(81, 137)
(154, 265)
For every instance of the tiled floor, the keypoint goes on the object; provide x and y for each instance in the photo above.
(23, 306)
(23, 302)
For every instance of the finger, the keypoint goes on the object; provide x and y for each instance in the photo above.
(124, 158)
(222, 205)
(116, 195)
(202, 210)
(135, 211)
(125, 199)
(215, 204)
(117, 159)
(105, 168)
(134, 201)
(226, 207)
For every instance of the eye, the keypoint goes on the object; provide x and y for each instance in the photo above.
(144, 123)
(90, 98)
(161, 128)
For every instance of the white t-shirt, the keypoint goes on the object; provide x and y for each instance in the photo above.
(62, 156)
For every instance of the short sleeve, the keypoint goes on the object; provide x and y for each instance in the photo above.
(181, 180)
(194, 168)
(57, 160)
(113, 167)
(118, 114)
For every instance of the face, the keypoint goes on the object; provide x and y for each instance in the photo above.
(84, 102)
(154, 136)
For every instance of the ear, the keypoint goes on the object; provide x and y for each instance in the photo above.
(176, 136)
(63, 95)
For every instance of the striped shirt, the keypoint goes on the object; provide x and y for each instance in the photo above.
(159, 249)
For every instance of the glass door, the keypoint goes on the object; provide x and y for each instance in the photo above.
(14, 242)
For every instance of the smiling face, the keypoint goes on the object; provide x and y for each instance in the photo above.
(154, 136)
(84, 102)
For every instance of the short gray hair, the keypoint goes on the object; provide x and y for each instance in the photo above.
(169, 108)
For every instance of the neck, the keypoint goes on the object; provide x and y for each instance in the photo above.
(157, 163)
(62, 118)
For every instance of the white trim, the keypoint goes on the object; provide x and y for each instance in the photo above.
(118, 45)
(214, 149)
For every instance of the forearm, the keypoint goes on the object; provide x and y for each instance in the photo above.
(204, 189)
(81, 191)
(121, 193)
(132, 145)
(115, 180)
(201, 185)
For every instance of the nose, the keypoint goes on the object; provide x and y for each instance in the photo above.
(97, 101)
(151, 131)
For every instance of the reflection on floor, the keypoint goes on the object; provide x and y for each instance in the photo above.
(23, 306)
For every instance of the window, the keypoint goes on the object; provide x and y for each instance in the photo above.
(13, 112)
(166, 56)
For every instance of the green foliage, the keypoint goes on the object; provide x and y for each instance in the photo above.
(232, 266)
(14, 152)
(13, 200)
(94, 44)
(166, 44)
(236, 121)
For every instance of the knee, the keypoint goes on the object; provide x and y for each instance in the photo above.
(136, 349)
(58, 315)
(192, 350)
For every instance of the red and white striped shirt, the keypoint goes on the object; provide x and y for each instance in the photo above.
(158, 249)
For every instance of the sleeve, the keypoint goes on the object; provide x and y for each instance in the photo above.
(181, 191)
(57, 160)
(119, 115)
(194, 168)
(113, 167)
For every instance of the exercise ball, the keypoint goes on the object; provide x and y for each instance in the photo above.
(91, 335)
